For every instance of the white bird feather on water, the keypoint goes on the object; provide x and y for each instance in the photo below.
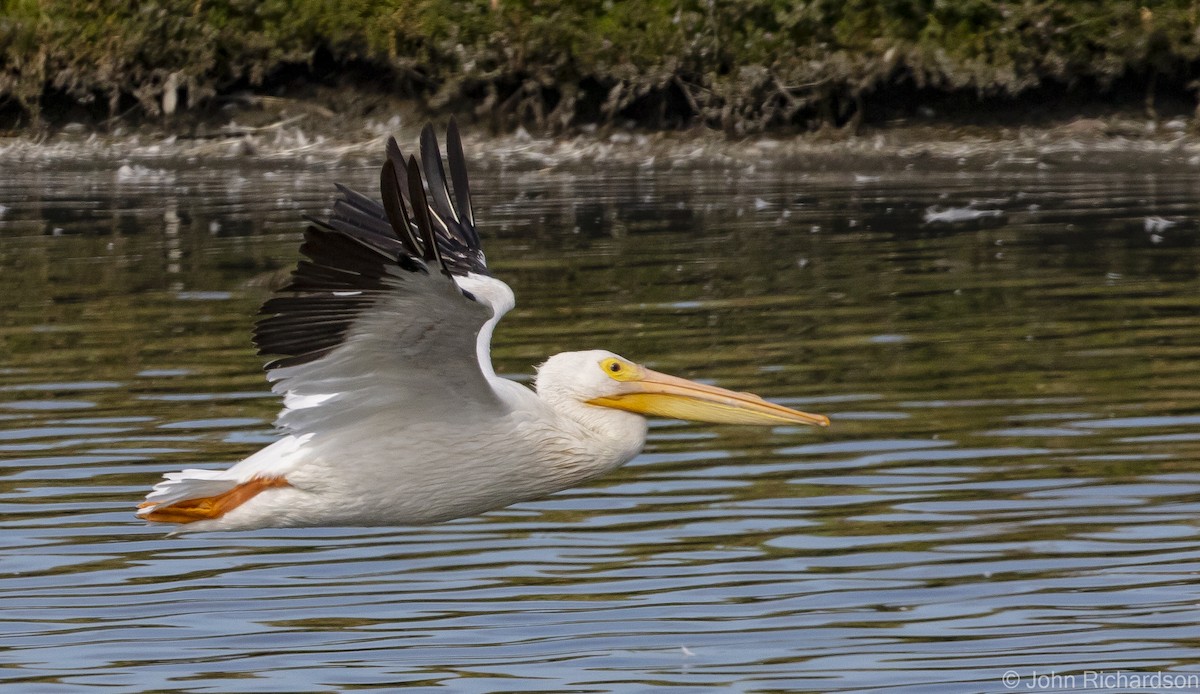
(393, 414)
(951, 215)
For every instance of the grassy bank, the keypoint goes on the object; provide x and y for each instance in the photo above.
(737, 65)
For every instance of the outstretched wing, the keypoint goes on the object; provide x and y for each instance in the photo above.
(392, 310)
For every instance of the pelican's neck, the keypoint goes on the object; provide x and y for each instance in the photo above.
(497, 296)
(613, 436)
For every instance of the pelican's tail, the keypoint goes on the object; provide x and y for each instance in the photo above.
(186, 485)
(196, 495)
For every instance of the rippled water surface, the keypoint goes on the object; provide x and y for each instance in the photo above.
(1011, 362)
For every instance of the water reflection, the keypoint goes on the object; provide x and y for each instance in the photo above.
(1010, 482)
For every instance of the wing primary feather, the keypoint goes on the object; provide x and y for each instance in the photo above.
(396, 156)
(360, 220)
(356, 198)
(359, 255)
(400, 167)
(393, 205)
(421, 211)
(368, 217)
(435, 178)
(382, 240)
(453, 239)
(458, 176)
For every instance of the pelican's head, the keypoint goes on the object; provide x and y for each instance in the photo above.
(603, 379)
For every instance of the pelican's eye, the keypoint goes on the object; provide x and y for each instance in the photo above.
(619, 370)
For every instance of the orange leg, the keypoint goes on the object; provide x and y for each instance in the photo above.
(209, 507)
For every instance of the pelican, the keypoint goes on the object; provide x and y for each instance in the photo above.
(393, 414)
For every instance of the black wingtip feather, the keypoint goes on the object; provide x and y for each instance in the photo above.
(352, 255)
(458, 176)
(435, 176)
(457, 239)
(393, 205)
(421, 215)
(395, 154)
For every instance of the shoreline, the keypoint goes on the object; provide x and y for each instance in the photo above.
(285, 137)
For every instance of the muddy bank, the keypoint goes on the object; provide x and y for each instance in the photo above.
(259, 131)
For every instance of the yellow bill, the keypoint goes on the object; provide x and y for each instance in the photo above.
(652, 393)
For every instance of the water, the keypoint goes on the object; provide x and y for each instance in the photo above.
(1010, 483)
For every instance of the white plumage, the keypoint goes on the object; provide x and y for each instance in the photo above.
(393, 414)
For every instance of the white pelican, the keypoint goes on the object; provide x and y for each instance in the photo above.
(392, 413)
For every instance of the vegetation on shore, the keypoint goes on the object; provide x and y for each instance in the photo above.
(738, 65)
